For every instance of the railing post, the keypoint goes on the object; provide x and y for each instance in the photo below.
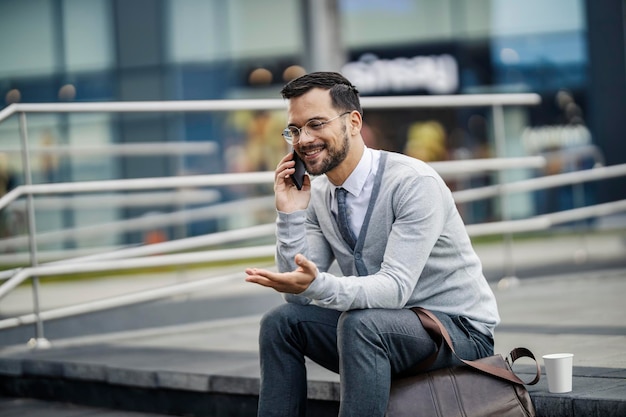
(39, 341)
(578, 200)
(500, 147)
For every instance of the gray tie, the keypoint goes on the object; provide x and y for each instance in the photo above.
(342, 218)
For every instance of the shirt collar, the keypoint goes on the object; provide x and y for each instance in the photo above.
(356, 181)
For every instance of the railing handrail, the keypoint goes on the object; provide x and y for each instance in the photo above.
(124, 149)
(484, 165)
(153, 183)
(155, 198)
(135, 263)
(143, 223)
(183, 244)
(460, 100)
(545, 221)
(533, 184)
(452, 100)
(445, 168)
(117, 301)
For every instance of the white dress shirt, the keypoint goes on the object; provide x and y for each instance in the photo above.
(359, 186)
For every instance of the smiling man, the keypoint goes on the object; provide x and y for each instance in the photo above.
(390, 223)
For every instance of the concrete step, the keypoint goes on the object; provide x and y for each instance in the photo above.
(189, 381)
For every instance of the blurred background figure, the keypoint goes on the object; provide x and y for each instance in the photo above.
(49, 161)
(426, 141)
(7, 183)
(263, 147)
(255, 143)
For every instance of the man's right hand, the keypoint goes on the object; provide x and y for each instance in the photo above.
(288, 197)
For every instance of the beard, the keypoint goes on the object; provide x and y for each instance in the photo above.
(334, 156)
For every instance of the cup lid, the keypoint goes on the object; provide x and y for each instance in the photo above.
(558, 355)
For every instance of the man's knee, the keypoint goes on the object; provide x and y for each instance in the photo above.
(357, 323)
(278, 318)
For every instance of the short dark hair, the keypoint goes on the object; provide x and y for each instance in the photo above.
(343, 94)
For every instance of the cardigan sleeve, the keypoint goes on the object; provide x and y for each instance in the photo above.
(299, 232)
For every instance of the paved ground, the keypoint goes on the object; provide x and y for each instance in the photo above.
(29, 407)
(579, 311)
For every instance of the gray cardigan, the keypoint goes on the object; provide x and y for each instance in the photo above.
(413, 249)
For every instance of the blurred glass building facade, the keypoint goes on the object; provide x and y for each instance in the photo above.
(571, 52)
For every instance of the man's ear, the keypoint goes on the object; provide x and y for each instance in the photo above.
(356, 122)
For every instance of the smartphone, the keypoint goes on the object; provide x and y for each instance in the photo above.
(298, 176)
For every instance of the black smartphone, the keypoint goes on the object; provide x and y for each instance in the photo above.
(298, 176)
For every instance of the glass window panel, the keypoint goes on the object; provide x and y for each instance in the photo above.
(264, 27)
(88, 34)
(516, 17)
(471, 19)
(380, 22)
(193, 31)
(26, 38)
(367, 23)
(204, 31)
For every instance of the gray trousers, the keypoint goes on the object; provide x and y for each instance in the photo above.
(366, 347)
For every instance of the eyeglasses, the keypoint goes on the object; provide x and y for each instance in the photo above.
(292, 133)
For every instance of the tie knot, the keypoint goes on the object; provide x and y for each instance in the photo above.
(341, 194)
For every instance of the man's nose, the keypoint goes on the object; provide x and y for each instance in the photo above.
(305, 137)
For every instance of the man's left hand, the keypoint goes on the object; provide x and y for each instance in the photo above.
(286, 282)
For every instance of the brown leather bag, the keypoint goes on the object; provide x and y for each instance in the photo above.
(481, 388)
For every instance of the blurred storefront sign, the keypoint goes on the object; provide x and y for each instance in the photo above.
(543, 138)
(435, 74)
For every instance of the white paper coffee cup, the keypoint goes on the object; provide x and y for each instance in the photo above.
(559, 371)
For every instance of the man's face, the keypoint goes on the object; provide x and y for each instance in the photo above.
(326, 148)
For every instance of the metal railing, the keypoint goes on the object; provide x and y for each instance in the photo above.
(494, 101)
(449, 168)
(137, 257)
(445, 168)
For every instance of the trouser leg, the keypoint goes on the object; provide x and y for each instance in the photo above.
(288, 333)
(376, 345)
(367, 347)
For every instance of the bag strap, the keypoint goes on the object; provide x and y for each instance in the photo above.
(522, 352)
(440, 336)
